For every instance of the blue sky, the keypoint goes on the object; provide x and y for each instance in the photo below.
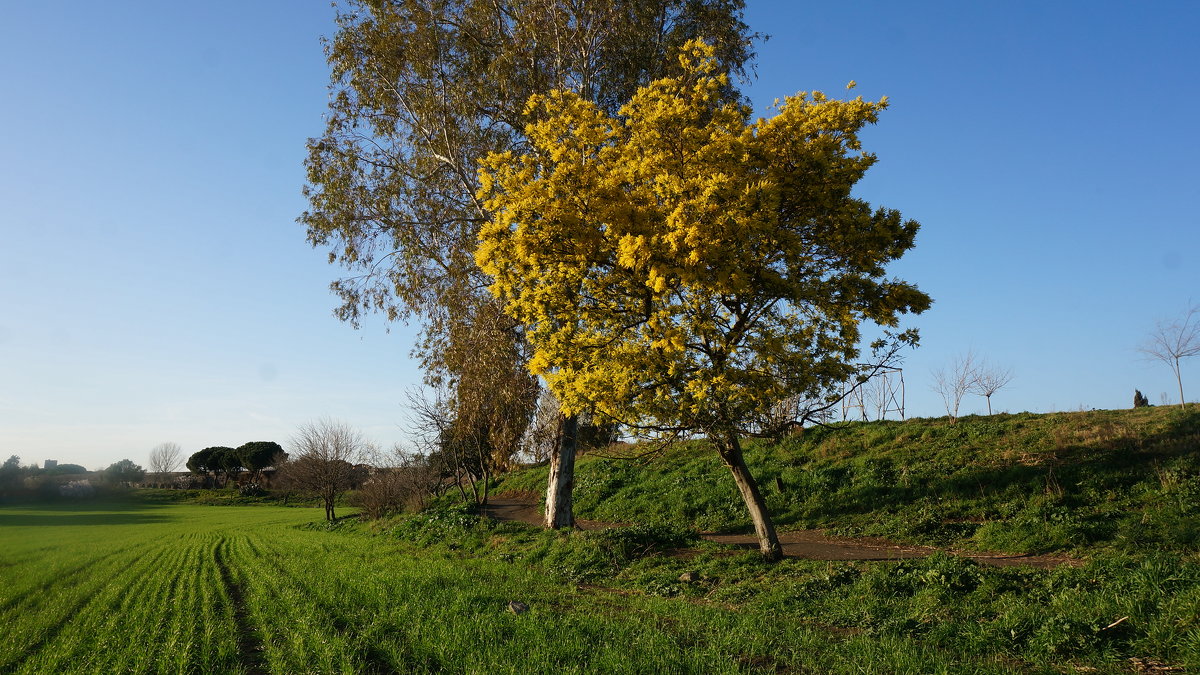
(155, 287)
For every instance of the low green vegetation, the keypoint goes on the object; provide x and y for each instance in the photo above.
(1106, 614)
(166, 583)
(193, 589)
(1124, 480)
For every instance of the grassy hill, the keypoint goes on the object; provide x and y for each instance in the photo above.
(1127, 480)
(1120, 490)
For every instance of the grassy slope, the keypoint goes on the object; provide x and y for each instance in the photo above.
(1119, 479)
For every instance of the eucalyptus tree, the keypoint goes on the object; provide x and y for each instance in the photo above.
(420, 91)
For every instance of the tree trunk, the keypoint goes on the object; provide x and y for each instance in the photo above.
(989, 400)
(458, 484)
(1179, 381)
(487, 484)
(474, 487)
(768, 541)
(559, 511)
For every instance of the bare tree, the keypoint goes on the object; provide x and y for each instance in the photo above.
(953, 384)
(323, 458)
(400, 480)
(165, 458)
(990, 379)
(431, 412)
(1172, 341)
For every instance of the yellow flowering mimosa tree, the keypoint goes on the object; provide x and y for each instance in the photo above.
(681, 267)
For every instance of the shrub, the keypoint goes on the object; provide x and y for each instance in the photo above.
(251, 490)
(1139, 399)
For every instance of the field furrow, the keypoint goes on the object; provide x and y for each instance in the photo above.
(36, 622)
(98, 628)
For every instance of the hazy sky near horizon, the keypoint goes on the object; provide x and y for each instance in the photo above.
(154, 285)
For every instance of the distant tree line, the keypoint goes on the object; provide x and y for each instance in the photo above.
(224, 463)
(19, 483)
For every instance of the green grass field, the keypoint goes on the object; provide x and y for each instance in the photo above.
(181, 588)
(156, 586)
(256, 589)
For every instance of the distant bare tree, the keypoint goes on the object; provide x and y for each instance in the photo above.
(431, 413)
(323, 458)
(1174, 340)
(990, 379)
(953, 384)
(400, 480)
(164, 459)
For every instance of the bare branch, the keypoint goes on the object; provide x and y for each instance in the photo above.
(1171, 341)
(165, 458)
(953, 384)
(990, 379)
(323, 458)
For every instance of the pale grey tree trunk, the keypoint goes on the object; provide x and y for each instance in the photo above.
(559, 511)
(1179, 381)
(768, 540)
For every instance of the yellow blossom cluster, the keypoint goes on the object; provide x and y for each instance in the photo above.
(681, 263)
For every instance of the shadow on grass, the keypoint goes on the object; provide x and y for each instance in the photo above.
(1117, 462)
(81, 513)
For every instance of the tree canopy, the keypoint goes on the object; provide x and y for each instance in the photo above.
(124, 471)
(420, 91)
(258, 455)
(218, 459)
(202, 462)
(679, 266)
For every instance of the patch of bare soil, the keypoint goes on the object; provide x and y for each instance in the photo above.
(527, 511)
(805, 544)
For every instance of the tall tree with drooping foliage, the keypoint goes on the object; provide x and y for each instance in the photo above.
(679, 266)
(421, 90)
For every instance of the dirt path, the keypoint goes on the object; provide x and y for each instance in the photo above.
(807, 544)
(526, 511)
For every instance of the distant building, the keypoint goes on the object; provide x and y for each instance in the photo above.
(51, 463)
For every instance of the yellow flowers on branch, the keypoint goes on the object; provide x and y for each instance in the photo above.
(679, 266)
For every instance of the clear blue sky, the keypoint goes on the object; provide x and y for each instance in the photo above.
(155, 287)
